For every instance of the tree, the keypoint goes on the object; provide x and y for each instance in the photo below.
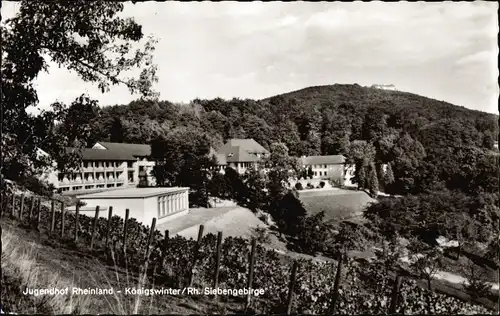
(372, 182)
(238, 190)
(81, 37)
(388, 179)
(361, 178)
(475, 283)
(183, 158)
(314, 235)
(361, 155)
(280, 166)
(116, 133)
(218, 186)
(425, 261)
(76, 124)
(256, 183)
(288, 213)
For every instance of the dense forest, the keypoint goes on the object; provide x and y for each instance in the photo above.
(428, 144)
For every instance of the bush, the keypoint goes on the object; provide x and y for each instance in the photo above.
(322, 184)
(299, 186)
(335, 183)
(310, 186)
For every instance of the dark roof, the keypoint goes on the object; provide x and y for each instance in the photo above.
(221, 158)
(323, 160)
(238, 154)
(248, 144)
(100, 154)
(138, 150)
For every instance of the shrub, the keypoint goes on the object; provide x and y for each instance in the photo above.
(309, 185)
(322, 184)
(299, 186)
(262, 235)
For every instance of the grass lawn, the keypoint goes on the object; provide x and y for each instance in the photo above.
(337, 204)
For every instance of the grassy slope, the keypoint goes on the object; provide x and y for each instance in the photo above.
(33, 260)
(337, 205)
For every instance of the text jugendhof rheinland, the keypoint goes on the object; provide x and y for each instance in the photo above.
(68, 291)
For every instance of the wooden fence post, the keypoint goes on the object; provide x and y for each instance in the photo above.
(250, 271)
(22, 208)
(150, 240)
(32, 206)
(337, 284)
(63, 218)
(13, 209)
(291, 287)
(94, 227)
(53, 216)
(195, 257)
(108, 229)
(200, 233)
(77, 218)
(395, 295)
(217, 259)
(125, 228)
(39, 214)
(164, 250)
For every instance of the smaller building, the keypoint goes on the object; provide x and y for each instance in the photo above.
(326, 167)
(144, 204)
(241, 154)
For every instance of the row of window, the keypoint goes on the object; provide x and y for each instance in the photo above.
(74, 176)
(321, 173)
(90, 187)
(317, 166)
(106, 164)
(170, 204)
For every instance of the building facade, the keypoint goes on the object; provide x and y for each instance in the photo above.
(110, 165)
(326, 167)
(143, 204)
(242, 154)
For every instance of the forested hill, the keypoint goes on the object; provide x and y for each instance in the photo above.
(418, 135)
(386, 100)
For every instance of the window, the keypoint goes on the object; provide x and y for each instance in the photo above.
(315, 173)
(130, 164)
(162, 206)
(324, 166)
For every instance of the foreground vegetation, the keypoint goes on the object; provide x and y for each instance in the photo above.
(171, 265)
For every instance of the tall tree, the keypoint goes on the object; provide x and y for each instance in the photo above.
(183, 159)
(117, 132)
(372, 183)
(388, 179)
(83, 38)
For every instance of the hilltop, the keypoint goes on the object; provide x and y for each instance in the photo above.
(388, 100)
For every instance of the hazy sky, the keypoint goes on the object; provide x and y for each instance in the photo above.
(443, 50)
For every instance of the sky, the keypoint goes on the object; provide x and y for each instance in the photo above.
(444, 50)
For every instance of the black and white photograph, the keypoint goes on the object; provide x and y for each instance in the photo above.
(249, 158)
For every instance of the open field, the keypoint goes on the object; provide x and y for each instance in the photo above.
(338, 204)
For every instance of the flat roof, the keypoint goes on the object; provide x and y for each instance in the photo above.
(132, 193)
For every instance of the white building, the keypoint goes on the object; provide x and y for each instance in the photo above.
(326, 167)
(241, 154)
(143, 204)
(105, 166)
(389, 87)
